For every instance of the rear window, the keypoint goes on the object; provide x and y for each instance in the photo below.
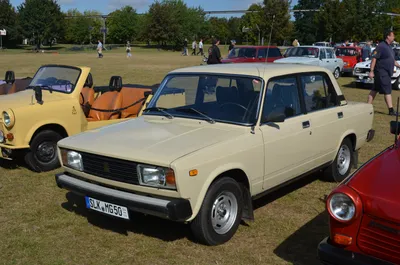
(346, 52)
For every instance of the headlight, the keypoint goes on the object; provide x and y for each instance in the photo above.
(72, 159)
(342, 207)
(158, 177)
(8, 118)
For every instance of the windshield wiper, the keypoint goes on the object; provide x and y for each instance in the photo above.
(163, 110)
(192, 110)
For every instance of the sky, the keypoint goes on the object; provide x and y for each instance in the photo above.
(107, 6)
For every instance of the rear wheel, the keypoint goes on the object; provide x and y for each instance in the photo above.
(336, 73)
(341, 166)
(220, 213)
(42, 155)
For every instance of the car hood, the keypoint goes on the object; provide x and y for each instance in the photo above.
(26, 97)
(300, 60)
(378, 184)
(366, 64)
(152, 140)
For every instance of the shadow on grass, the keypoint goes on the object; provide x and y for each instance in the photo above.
(139, 223)
(301, 247)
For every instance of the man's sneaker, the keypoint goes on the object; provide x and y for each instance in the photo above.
(392, 113)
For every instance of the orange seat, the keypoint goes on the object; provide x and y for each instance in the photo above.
(19, 85)
(4, 88)
(87, 96)
(131, 96)
(107, 101)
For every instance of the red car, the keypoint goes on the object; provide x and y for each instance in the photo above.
(350, 56)
(365, 213)
(253, 54)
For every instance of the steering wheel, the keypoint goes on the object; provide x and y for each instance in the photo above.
(234, 104)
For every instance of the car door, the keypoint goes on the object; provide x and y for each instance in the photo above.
(286, 143)
(333, 62)
(322, 58)
(325, 114)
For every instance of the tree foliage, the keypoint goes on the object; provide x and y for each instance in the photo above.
(7, 21)
(123, 25)
(40, 20)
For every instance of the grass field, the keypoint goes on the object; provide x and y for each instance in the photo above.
(42, 224)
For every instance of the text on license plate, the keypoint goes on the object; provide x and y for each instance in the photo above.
(107, 208)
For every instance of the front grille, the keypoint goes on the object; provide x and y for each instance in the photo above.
(380, 239)
(110, 168)
(362, 70)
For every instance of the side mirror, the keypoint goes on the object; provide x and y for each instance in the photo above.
(393, 127)
(277, 115)
(38, 94)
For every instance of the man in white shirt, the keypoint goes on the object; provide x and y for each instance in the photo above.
(201, 48)
(194, 47)
(100, 49)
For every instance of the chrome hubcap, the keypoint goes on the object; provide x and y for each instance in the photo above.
(336, 73)
(46, 151)
(343, 160)
(224, 212)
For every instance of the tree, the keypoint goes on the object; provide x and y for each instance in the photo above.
(219, 29)
(82, 28)
(307, 28)
(276, 16)
(251, 21)
(123, 25)
(7, 21)
(41, 20)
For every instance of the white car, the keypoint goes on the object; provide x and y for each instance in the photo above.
(361, 72)
(314, 55)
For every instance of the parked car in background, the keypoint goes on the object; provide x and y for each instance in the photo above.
(253, 54)
(365, 213)
(322, 44)
(362, 69)
(350, 56)
(61, 101)
(241, 131)
(314, 55)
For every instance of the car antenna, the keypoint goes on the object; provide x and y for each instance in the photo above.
(397, 124)
(269, 41)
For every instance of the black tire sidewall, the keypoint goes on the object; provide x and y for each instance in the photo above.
(202, 225)
(33, 162)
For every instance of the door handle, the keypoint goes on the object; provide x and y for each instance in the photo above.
(340, 115)
(306, 124)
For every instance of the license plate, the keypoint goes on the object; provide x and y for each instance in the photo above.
(107, 208)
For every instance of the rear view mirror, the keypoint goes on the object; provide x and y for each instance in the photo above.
(393, 127)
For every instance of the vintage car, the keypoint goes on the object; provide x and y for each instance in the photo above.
(322, 44)
(11, 85)
(241, 131)
(314, 55)
(253, 54)
(361, 72)
(61, 101)
(350, 56)
(365, 213)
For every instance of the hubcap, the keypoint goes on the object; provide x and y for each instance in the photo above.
(224, 212)
(46, 151)
(343, 160)
(336, 73)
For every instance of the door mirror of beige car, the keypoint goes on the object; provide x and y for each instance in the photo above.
(276, 115)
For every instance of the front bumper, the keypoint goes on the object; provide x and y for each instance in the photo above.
(9, 152)
(331, 255)
(167, 208)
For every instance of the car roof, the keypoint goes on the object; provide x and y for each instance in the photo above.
(263, 70)
(250, 46)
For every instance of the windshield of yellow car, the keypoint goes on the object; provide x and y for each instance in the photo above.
(233, 99)
(56, 78)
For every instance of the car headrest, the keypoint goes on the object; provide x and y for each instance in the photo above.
(10, 77)
(89, 81)
(115, 83)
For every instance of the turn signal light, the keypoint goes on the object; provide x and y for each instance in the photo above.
(10, 136)
(170, 177)
(342, 240)
(193, 172)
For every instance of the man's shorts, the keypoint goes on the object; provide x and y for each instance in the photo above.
(382, 83)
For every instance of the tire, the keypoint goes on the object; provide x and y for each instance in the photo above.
(341, 166)
(207, 228)
(43, 155)
(396, 84)
(336, 73)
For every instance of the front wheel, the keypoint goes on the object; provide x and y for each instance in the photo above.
(220, 213)
(42, 155)
(336, 73)
(341, 166)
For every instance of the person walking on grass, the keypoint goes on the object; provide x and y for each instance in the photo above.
(100, 49)
(128, 50)
(382, 67)
(214, 54)
(194, 47)
(185, 50)
(201, 51)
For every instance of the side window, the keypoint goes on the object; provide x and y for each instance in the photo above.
(322, 54)
(282, 96)
(329, 54)
(318, 91)
(262, 53)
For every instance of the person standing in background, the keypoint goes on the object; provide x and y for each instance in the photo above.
(201, 51)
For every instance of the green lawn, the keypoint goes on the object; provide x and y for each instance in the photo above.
(42, 224)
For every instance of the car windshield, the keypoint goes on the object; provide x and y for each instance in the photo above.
(242, 53)
(346, 52)
(56, 78)
(303, 52)
(214, 98)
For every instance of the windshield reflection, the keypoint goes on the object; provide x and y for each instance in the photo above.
(59, 79)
